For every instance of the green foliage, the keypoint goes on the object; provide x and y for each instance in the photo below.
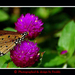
(3, 16)
(67, 38)
(42, 12)
(4, 65)
(71, 62)
(55, 62)
(13, 18)
(4, 60)
(12, 65)
(10, 29)
(45, 12)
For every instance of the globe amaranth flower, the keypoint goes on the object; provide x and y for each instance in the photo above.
(26, 54)
(63, 52)
(29, 23)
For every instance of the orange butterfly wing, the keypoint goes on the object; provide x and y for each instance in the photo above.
(7, 39)
(4, 48)
(8, 36)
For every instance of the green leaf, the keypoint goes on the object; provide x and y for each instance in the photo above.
(71, 61)
(3, 16)
(48, 55)
(66, 40)
(10, 29)
(7, 56)
(12, 65)
(2, 61)
(55, 62)
(4, 65)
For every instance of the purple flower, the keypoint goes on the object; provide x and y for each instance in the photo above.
(63, 52)
(29, 23)
(26, 54)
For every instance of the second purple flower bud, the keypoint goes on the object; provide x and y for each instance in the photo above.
(26, 54)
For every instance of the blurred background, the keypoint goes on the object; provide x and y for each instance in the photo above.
(54, 19)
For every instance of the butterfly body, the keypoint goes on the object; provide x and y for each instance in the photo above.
(9, 39)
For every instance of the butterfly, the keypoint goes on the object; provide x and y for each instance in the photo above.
(9, 39)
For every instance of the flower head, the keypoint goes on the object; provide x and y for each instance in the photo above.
(29, 23)
(26, 54)
(63, 52)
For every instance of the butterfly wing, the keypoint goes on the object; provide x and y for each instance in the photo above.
(7, 39)
(2, 32)
(4, 48)
(8, 36)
